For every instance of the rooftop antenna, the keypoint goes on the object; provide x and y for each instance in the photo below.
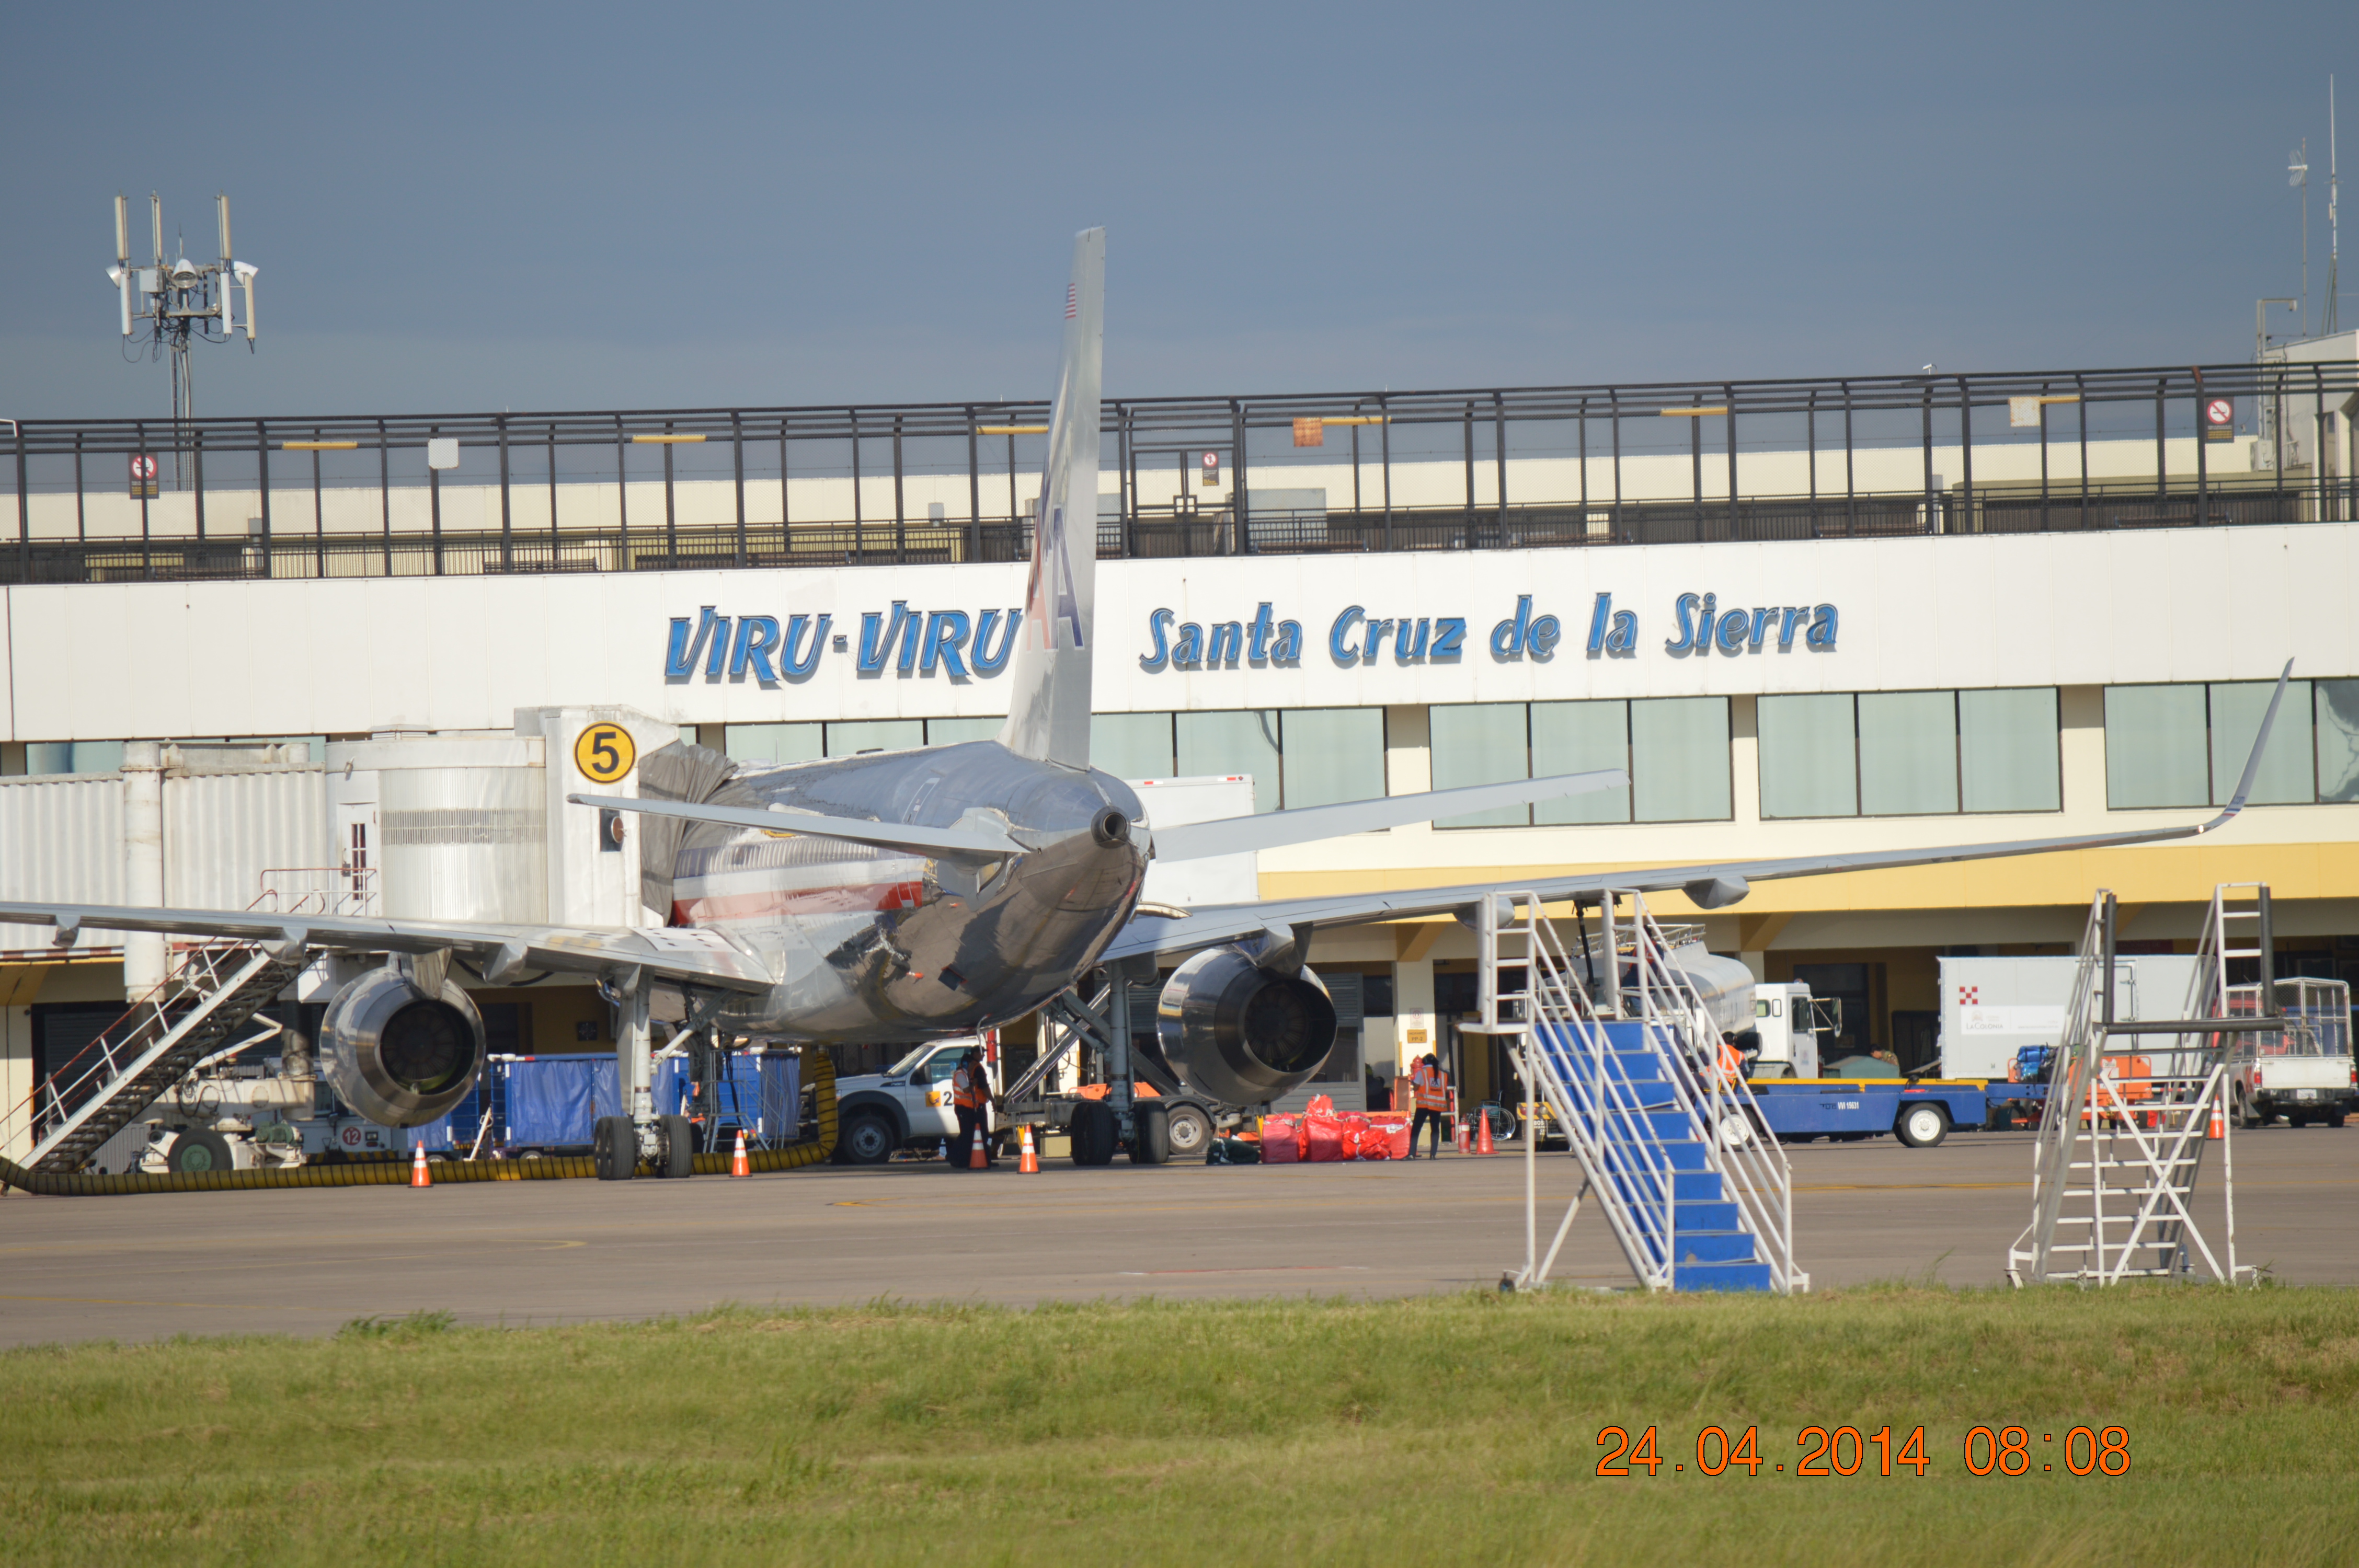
(2298, 174)
(178, 301)
(2333, 234)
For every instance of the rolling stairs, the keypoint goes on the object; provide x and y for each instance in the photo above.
(212, 993)
(1696, 1196)
(2131, 1105)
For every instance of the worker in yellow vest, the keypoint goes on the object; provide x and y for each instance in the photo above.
(971, 1098)
(1430, 1087)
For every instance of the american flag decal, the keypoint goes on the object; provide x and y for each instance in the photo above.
(1072, 302)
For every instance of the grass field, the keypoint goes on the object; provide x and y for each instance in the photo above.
(1443, 1430)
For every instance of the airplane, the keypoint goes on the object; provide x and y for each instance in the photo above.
(929, 894)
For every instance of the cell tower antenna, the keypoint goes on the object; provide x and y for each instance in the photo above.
(180, 302)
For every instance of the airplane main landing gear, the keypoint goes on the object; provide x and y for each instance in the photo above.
(615, 1148)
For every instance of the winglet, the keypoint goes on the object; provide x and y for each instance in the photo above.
(2253, 763)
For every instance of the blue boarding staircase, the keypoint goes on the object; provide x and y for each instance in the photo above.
(1696, 1195)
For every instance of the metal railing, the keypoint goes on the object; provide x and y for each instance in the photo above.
(209, 992)
(1609, 1125)
(1468, 431)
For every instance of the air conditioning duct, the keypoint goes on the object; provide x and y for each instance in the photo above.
(397, 1053)
(1241, 1033)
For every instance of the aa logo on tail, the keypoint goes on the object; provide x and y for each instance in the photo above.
(1052, 578)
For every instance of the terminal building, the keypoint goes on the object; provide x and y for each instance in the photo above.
(1802, 617)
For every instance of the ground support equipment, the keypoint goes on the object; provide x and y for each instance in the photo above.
(2131, 1107)
(1696, 1196)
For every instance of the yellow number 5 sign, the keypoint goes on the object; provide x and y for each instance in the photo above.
(604, 753)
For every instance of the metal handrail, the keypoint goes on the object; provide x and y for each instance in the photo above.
(76, 1087)
(1754, 1171)
(1599, 1124)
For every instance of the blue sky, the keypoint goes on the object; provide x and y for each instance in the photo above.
(595, 206)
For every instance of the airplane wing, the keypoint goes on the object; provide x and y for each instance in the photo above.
(1269, 829)
(858, 830)
(1713, 886)
(505, 952)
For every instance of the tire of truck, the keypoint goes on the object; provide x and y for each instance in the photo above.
(2334, 1117)
(199, 1150)
(2296, 1119)
(867, 1139)
(1997, 1119)
(1191, 1130)
(1922, 1126)
(1734, 1130)
(1150, 1142)
(1092, 1132)
(615, 1148)
(676, 1138)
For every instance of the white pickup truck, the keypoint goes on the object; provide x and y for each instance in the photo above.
(2303, 1072)
(908, 1106)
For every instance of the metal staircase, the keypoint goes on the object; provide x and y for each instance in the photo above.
(2132, 1106)
(1696, 1195)
(212, 991)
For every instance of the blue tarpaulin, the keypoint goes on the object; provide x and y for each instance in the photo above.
(555, 1101)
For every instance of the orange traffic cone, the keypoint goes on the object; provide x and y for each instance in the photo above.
(976, 1162)
(418, 1176)
(737, 1166)
(1028, 1162)
(2219, 1129)
(1482, 1133)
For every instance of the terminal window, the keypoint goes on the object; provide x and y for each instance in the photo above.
(2185, 744)
(1909, 753)
(1675, 750)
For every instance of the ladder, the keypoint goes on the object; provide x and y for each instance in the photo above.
(211, 993)
(2132, 1106)
(1697, 1196)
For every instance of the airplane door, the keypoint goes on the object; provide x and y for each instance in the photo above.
(360, 889)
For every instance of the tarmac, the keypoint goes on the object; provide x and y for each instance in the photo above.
(306, 1261)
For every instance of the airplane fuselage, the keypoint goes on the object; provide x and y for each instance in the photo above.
(876, 945)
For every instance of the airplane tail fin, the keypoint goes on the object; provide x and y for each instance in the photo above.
(1049, 705)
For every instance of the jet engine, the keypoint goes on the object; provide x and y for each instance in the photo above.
(397, 1053)
(1241, 1033)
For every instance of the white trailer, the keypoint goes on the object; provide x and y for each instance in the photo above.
(1993, 1007)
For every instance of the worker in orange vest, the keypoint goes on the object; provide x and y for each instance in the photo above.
(971, 1098)
(1430, 1087)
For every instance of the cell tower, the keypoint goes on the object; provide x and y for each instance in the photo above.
(179, 300)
